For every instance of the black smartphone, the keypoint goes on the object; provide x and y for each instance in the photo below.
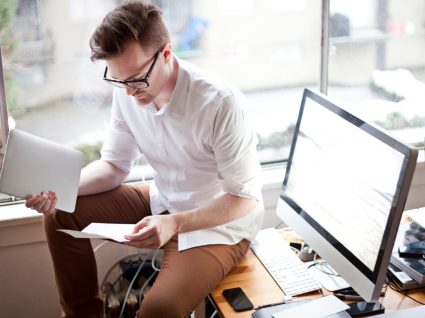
(237, 299)
(364, 308)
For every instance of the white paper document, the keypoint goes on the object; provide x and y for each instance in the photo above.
(110, 231)
(317, 308)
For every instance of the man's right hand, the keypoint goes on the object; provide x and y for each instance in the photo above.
(44, 202)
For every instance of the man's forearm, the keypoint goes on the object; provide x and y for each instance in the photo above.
(100, 176)
(220, 211)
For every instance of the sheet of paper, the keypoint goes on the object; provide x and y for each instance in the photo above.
(110, 231)
(321, 307)
(417, 215)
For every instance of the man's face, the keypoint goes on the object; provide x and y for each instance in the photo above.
(134, 64)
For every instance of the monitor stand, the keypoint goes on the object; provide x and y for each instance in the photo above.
(330, 281)
(364, 309)
(327, 276)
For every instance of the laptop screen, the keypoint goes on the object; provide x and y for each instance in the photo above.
(3, 113)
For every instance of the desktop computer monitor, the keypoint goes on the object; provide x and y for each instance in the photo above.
(344, 191)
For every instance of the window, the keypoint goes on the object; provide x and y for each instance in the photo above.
(268, 49)
(377, 65)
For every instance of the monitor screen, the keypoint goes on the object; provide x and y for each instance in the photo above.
(344, 190)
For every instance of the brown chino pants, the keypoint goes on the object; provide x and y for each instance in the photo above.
(185, 279)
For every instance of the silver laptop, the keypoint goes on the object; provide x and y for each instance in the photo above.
(33, 164)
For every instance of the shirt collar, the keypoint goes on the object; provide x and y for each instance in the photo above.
(178, 98)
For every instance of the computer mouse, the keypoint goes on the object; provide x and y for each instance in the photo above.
(306, 254)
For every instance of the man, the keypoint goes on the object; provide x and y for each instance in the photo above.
(203, 206)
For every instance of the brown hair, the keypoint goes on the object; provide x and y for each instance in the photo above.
(138, 21)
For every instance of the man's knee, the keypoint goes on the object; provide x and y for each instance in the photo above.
(58, 220)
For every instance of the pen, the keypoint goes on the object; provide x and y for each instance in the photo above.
(347, 293)
(271, 305)
(353, 295)
(348, 297)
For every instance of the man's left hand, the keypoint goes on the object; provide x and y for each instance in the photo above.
(152, 231)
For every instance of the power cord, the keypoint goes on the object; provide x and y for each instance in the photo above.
(144, 286)
(398, 290)
(130, 287)
(154, 267)
(154, 259)
(320, 264)
(280, 225)
(99, 246)
(140, 267)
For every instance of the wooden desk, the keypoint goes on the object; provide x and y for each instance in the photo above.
(261, 289)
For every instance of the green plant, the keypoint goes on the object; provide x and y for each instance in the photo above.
(277, 139)
(8, 45)
(90, 152)
(396, 120)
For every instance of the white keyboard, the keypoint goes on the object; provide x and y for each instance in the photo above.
(283, 264)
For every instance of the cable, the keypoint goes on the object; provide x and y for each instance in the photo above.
(144, 286)
(154, 259)
(114, 265)
(398, 290)
(141, 257)
(278, 226)
(208, 300)
(112, 268)
(143, 176)
(215, 312)
(99, 246)
(130, 287)
(323, 264)
(385, 287)
(156, 269)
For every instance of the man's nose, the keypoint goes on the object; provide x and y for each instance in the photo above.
(130, 90)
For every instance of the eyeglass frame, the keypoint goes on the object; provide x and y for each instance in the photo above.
(129, 83)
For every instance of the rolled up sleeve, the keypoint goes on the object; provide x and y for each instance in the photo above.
(234, 145)
(120, 147)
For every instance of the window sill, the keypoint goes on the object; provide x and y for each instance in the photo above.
(16, 213)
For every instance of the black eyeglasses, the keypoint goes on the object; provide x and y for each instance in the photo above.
(137, 83)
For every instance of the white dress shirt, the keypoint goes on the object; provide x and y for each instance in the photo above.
(201, 145)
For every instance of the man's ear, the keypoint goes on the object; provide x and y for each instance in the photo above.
(166, 51)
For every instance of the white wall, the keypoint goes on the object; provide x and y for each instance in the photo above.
(27, 287)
